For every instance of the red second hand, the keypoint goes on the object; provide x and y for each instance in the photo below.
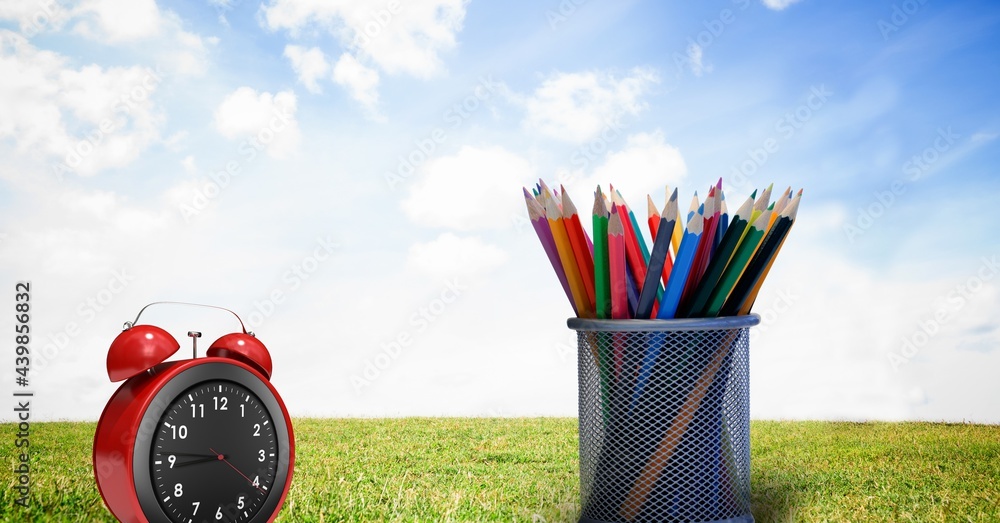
(223, 458)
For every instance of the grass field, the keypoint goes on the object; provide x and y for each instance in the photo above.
(438, 469)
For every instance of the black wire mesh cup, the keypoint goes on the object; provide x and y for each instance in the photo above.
(665, 419)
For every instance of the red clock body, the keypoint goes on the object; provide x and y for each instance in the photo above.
(200, 440)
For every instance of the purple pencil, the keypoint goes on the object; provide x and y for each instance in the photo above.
(538, 220)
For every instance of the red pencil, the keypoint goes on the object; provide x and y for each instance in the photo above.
(583, 253)
(704, 252)
(633, 255)
(616, 266)
(654, 229)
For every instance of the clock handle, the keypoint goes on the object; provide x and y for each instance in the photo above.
(128, 325)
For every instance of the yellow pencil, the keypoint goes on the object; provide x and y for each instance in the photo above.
(561, 239)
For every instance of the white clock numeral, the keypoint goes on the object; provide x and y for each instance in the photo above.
(256, 481)
(220, 403)
(196, 409)
(218, 513)
(179, 432)
(256, 427)
(172, 459)
(196, 505)
(242, 413)
(261, 458)
(239, 503)
(178, 490)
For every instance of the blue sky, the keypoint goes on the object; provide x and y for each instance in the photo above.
(375, 153)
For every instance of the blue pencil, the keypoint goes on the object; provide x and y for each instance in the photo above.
(682, 267)
(671, 296)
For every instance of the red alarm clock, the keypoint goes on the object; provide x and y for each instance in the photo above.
(197, 440)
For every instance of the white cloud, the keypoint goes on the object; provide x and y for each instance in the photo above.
(360, 81)
(575, 107)
(84, 120)
(189, 165)
(398, 37)
(489, 179)
(118, 22)
(778, 5)
(695, 59)
(34, 17)
(309, 64)
(642, 167)
(269, 119)
(449, 255)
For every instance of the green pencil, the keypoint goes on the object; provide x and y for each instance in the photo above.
(602, 283)
(723, 254)
(756, 269)
(737, 264)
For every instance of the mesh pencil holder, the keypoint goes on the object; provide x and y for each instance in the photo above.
(665, 419)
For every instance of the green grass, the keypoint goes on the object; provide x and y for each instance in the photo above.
(437, 469)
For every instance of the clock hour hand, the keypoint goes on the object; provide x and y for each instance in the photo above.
(197, 461)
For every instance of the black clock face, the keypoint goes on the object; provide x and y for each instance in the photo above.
(214, 454)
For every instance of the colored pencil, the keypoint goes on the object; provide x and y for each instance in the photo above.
(581, 251)
(749, 284)
(654, 229)
(761, 204)
(695, 205)
(704, 253)
(748, 303)
(723, 255)
(682, 266)
(602, 285)
(636, 262)
(656, 261)
(678, 232)
(746, 249)
(561, 238)
(537, 216)
(616, 266)
(723, 223)
(654, 217)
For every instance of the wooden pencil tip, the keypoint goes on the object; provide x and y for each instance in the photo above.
(670, 209)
